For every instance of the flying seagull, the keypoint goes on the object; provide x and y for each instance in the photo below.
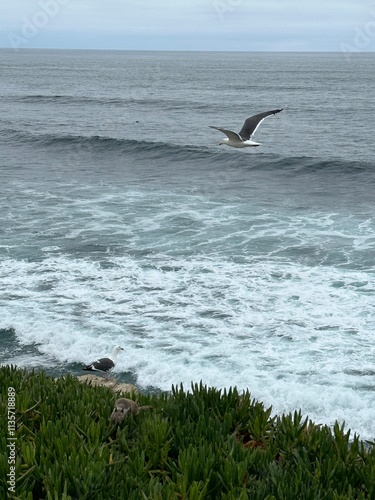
(104, 365)
(243, 138)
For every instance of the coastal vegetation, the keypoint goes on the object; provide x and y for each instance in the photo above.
(195, 443)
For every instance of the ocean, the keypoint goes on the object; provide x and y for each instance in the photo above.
(123, 222)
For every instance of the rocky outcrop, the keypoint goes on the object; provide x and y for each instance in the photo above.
(111, 383)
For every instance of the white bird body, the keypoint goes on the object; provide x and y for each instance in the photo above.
(238, 144)
(104, 365)
(243, 138)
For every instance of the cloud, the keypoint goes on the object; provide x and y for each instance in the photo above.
(197, 24)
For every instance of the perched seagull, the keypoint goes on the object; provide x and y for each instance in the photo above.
(243, 138)
(104, 365)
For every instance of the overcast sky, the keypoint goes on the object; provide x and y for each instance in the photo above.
(272, 25)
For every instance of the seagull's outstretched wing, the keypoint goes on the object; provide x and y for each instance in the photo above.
(252, 123)
(233, 136)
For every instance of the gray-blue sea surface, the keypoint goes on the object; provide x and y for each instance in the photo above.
(123, 222)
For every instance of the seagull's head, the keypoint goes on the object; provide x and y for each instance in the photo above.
(223, 141)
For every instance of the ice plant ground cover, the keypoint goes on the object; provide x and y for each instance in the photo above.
(193, 444)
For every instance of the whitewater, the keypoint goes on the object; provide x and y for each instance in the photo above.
(123, 222)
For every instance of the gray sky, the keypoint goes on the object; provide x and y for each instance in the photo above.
(322, 25)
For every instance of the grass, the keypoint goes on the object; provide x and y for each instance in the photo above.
(198, 444)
